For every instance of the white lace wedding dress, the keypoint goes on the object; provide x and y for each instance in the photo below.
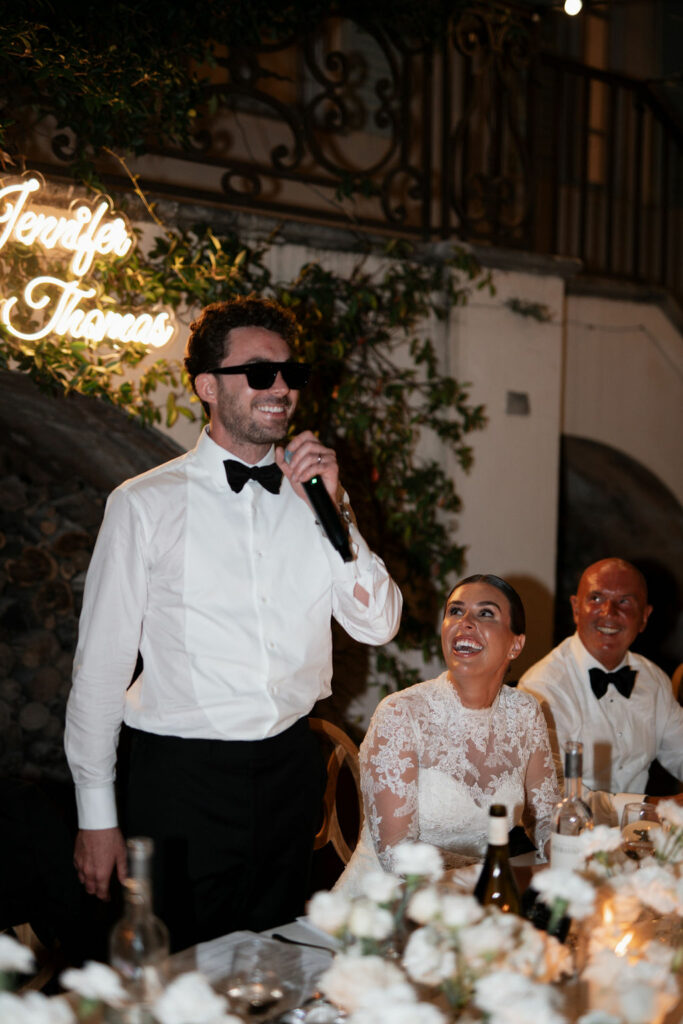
(431, 768)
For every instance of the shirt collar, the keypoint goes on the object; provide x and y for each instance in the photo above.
(586, 661)
(210, 457)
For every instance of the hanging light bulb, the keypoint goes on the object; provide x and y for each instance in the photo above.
(572, 6)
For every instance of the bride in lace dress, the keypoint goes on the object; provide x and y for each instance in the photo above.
(438, 754)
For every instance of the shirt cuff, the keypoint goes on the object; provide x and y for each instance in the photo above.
(96, 806)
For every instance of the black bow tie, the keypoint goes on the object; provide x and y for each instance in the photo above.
(624, 680)
(237, 473)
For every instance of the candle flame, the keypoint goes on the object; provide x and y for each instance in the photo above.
(623, 944)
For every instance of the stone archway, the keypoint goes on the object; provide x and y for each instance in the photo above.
(59, 459)
(611, 505)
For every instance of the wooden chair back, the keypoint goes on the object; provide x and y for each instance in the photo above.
(48, 961)
(344, 753)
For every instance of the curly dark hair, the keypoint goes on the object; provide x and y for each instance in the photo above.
(209, 341)
(517, 614)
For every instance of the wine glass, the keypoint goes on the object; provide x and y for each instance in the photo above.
(638, 821)
(254, 986)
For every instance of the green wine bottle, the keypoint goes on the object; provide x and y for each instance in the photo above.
(496, 883)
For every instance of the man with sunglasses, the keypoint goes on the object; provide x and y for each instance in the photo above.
(214, 568)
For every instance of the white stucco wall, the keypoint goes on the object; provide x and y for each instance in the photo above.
(509, 517)
(624, 382)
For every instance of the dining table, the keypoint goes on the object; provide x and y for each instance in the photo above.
(296, 951)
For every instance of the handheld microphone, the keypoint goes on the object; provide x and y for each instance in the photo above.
(327, 514)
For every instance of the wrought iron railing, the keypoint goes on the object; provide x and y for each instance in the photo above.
(478, 138)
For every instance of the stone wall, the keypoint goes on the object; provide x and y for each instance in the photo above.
(59, 458)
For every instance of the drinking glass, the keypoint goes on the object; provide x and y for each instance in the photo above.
(254, 985)
(638, 820)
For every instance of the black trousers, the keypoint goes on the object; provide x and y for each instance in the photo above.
(233, 824)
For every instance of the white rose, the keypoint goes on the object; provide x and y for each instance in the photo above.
(424, 905)
(393, 1008)
(418, 859)
(635, 992)
(34, 1008)
(510, 998)
(668, 847)
(351, 978)
(426, 960)
(95, 981)
(189, 999)
(600, 839)
(460, 910)
(381, 886)
(670, 811)
(368, 921)
(14, 956)
(654, 886)
(484, 942)
(553, 884)
(329, 911)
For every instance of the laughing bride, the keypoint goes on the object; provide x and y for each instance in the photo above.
(438, 754)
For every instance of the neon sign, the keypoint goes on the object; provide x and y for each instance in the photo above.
(85, 232)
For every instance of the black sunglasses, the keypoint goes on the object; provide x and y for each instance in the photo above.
(262, 375)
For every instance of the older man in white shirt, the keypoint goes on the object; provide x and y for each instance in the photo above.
(594, 689)
(214, 567)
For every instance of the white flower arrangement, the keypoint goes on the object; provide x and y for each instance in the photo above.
(598, 840)
(668, 841)
(14, 956)
(417, 860)
(95, 982)
(459, 909)
(381, 887)
(414, 951)
(653, 886)
(34, 1008)
(424, 905)
(427, 959)
(189, 999)
(329, 911)
(671, 812)
(389, 1008)
(352, 978)
(574, 894)
(636, 991)
(367, 920)
(510, 998)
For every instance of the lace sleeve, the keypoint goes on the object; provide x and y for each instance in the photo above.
(389, 761)
(542, 792)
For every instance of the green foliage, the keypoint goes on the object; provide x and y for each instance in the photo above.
(377, 389)
(124, 78)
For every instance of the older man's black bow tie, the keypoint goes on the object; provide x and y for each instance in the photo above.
(269, 476)
(624, 680)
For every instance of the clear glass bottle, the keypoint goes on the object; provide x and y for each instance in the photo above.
(139, 944)
(571, 816)
(496, 883)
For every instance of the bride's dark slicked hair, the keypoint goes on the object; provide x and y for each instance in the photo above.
(517, 614)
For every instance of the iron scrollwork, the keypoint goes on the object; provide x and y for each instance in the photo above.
(489, 182)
